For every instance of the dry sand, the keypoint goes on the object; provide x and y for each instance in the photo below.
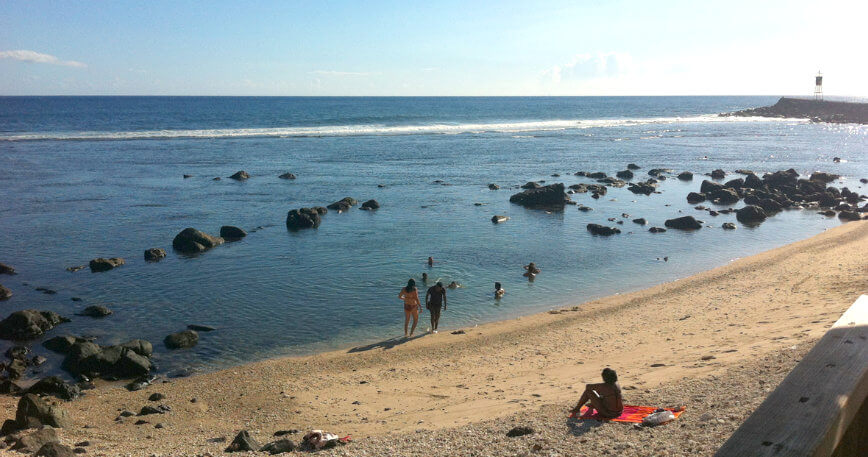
(448, 394)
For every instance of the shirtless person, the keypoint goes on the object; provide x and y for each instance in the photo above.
(434, 299)
(604, 398)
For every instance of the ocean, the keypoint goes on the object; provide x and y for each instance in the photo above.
(91, 177)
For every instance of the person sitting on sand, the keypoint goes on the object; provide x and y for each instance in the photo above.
(410, 295)
(604, 398)
(434, 299)
(532, 270)
(498, 290)
(454, 285)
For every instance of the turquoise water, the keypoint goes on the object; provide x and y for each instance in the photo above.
(94, 177)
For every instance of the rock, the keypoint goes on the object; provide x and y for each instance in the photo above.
(243, 442)
(863, 181)
(182, 340)
(584, 208)
(683, 223)
(656, 229)
(695, 197)
(154, 254)
(17, 352)
(531, 185)
(6, 269)
(278, 447)
(287, 176)
(750, 214)
(156, 396)
(624, 174)
(519, 431)
(493, 186)
(15, 369)
(101, 264)
(130, 365)
(302, 218)
(95, 311)
(781, 178)
(685, 176)
(736, 183)
(657, 172)
(728, 226)
(8, 387)
(596, 175)
(724, 196)
(602, 230)
(32, 442)
(240, 176)
(230, 232)
(54, 450)
(148, 410)
(61, 344)
(370, 205)
(823, 177)
(5, 293)
(201, 328)
(28, 324)
(708, 187)
(343, 204)
(35, 412)
(640, 221)
(769, 206)
(55, 387)
(849, 216)
(718, 174)
(632, 166)
(188, 176)
(828, 213)
(143, 348)
(498, 219)
(191, 241)
(645, 188)
(321, 210)
(551, 196)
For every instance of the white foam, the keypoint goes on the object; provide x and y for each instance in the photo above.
(383, 130)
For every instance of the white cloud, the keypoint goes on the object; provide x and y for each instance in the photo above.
(591, 66)
(341, 73)
(37, 57)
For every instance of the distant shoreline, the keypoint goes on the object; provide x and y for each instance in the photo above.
(837, 112)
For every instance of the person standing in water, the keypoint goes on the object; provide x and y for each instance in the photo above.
(410, 295)
(434, 299)
(498, 290)
(430, 261)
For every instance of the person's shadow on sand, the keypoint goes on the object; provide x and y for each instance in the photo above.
(580, 427)
(385, 344)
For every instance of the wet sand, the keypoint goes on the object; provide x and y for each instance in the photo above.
(743, 314)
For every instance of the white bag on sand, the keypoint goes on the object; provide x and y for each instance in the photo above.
(658, 418)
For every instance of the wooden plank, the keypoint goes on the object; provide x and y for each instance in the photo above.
(811, 409)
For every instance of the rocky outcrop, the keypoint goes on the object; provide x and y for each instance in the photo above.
(124, 361)
(287, 176)
(728, 226)
(230, 232)
(95, 311)
(633, 166)
(640, 221)
(35, 412)
(343, 204)
(101, 264)
(849, 216)
(182, 340)
(29, 324)
(695, 197)
(370, 205)
(551, 196)
(55, 387)
(5, 293)
(645, 188)
(750, 214)
(240, 176)
(718, 174)
(823, 177)
(683, 223)
(243, 442)
(154, 254)
(303, 218)
(724, 196)
(6, 269)
(191, 241)
(685, 176)
(55, 450)
(656, 229)
(624, 174)
(816, 110)
(602, 230)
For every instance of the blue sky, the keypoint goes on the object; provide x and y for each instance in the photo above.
(431, 48)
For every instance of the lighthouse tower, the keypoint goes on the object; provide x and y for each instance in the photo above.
(818, 86)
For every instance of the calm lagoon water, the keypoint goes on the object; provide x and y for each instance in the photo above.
(90, 177)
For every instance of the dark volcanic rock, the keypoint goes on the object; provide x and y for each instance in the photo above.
(61, 344)
(9, 387)
(370, 205)
(243, 442)
(602, 230)
(724, 196)
(708, 187)
(597, 175)
(343, 204)
(182, 340)
(32, 442)
(823, 177)
(750, 214)
(143, 348)
(54, 450)
(658, 171)
(531, 185)
(695, 197)
(95, 311)
(28, 324)
(685, 176)
(816, 110)
(6, 269)
(154, 254)
(493, 186)
(624, 174)
(718, 174)
(55, 387)
(728, 226)
(640, 221)
(287, 176)
(240, 175)
(645, 188)
(736, 183)
(35, 412)
(156, 396)
(190, 241)
(548, 196)
(5, 293)
(632, 166)
(101, 264)
(230, 232)
(656, 229)
(683, 223)
(302, 218)
(278, 447)
(781, 178)
(753, 181)
(201, 328)
(849, 216)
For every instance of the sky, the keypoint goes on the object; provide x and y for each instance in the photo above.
(462, 48)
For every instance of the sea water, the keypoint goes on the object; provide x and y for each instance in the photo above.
(88, 177)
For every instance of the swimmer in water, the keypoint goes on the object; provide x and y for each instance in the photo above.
(498, 290)
(454, 285)
(424, 278)
(532, 270)
(430, 261)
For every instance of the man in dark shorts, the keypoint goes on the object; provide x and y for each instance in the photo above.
(434, 299)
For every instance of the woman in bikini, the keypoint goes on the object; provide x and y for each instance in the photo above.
(410, 295)
(604, 398)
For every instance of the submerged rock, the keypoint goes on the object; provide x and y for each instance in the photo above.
(240, 175)
(823, 177)
(750, 214)
(602, 230)
(343, 204)
(95, 311)
(550, 196)
(728, 226)
(645, 188)
(154, 254)
(624, 174)
(302, 218)
(191, 241)
(182, 340)
(5, 293)
(683, 223)
(718, 174)
(370, 205)
(101, 264)
(6, 269)
(695, 197)
(633, 166)
(685, 176)
(493, 186)
(230, 232)
(287, 176)
(28, 324)
(656, 229)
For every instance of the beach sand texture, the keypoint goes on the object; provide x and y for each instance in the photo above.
(449, 394)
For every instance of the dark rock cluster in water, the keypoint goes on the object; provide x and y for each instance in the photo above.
(550, 196)
(815, 110)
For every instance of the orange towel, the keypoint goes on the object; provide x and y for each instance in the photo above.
(633, 414)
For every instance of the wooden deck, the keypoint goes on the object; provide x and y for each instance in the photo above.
(818, 407)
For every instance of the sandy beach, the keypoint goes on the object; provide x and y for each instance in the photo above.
(457, 394)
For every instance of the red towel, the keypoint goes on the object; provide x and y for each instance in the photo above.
(633, 414)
